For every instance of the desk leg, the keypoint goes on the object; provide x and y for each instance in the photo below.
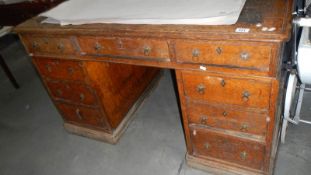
(8, 72)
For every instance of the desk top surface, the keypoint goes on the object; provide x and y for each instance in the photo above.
(254, 19)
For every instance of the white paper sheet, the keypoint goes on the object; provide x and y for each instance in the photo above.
(12, 1)
(207, 12)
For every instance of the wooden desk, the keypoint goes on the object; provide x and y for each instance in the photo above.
(229, 82)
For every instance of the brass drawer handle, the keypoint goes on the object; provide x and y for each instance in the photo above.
(244, 127)
(120, 44)
(48, 68)
(59, 92)
(147, 50)
(70, 70)
(243, 155)
(268, 119)
(203, 120)
(46, 41)
(82, 97)
(244, 56)
(225, 114)
(79, 114)
(246, 95)
(97, 47)
(201, 89)
(194, 132)
(195, 52)
(223, 83)
(35, 45)
(206, 146)
(219, 50)
(61, 47)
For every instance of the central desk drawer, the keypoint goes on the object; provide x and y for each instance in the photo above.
(207, 143)
(81, 115)
(227, 118)
(125, 47)
(226, 89)
(249, 55)
(59, 69)
(78, 93)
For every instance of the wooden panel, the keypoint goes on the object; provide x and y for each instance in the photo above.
(227, 89)
(81, 115)
(48, 45)
(77, 93)
(128, 47)
(249, 55)
(118, 86)
(227, 118)
(59, 69)
(243, 152)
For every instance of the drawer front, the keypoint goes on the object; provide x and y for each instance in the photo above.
(81, 115)
(235, 54)
(227, 118)
(59, 69)
(72, 92)
(247, 153)
(225, 89)
(126, 47)
(48, 45)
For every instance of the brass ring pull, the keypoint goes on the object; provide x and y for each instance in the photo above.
(223, 83)
(225, 114)
(194, 132)
(246, 96)
(195, 52)
(78, 113)
(244, 56)
(120, 44)
(243, 155)
(48, 68)
(70, 70)
(147, 50)
(82, 97)
(203, 119)
(97, 47)
(219, 50)
(46, 41)
(206, 146)
(61, 47)
(35, 45)
(59, 92)
(201, 89)
(244, 127)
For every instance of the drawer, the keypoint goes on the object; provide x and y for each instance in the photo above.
(226, 89)
(72, 92)
(207, 143)
(249, 55)
(126, 47)
(81, 115)
(59, 69)
(227, 118)
(48, 45)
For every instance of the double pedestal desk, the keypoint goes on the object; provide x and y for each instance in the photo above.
(229, 80)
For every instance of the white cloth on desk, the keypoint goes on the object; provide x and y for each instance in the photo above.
(205, 12)
(12, 1)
